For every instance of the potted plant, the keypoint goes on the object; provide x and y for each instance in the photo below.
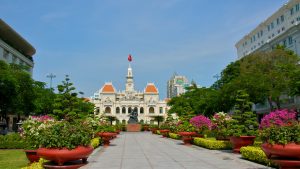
(201, 124)
(107, 133)
(30, 131)
(243, 126)
(220, 124)
(164, 129)
(146, 127)
(280, 132)
(186, 130)
(153, 128)
(68, 138)
(64, 141)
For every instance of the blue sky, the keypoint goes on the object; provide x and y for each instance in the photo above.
(90, 40)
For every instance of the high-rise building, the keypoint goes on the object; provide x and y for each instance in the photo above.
(14, 48)
(281, 28)
(177, 85)
(119, 104)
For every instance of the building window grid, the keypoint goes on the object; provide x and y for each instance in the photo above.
(277, 20)
(282, 18)
(297, 7)
(292, 11)
(290, 40)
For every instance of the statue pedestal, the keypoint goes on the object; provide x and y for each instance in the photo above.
(133, 127)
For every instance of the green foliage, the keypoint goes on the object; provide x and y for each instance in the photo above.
(12, 141)
(67, 105)
(281, 134)
(106, 128)
(66, 134)
(20, 94)
(185, 126)
(174, 136)
(212, 144)
(244, 121)
(95, 142)
(196, 101)
(36, 165)
(255, 154)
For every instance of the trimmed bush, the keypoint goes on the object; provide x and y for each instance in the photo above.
(36, 165)
(12, 141)
(255, 154)
(212, 144)
(158, 132)
(95, 142)
(174, 136)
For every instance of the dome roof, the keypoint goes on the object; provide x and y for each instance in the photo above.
(108, 88)
(150, 88)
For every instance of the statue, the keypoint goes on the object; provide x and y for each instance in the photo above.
(133, 117)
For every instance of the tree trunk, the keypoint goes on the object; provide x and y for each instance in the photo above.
(270, 103)
(278, 103)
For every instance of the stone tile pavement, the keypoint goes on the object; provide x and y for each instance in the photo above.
(142, 150)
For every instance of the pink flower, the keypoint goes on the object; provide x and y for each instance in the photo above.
(278, 118)
(201, 122)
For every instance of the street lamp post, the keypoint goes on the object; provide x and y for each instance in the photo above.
(51, 76)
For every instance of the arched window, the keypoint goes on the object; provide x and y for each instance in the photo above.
(142, 121)
(129, 110)
(123, 110)
(107, 110)
(117, 121)
(123, 121)
(151, 110)
(118, 110)
(141, 110)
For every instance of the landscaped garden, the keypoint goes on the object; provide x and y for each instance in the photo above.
(70, 132)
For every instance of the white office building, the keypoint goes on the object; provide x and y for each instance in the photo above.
(281, 28)
(14, 48)
(177, 85)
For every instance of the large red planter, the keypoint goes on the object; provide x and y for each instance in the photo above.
(106, 137)
(187, 137)
(238, 142)
(286, 156)
(60, 156)
(32, 155)
(164, 132)
(146, 128)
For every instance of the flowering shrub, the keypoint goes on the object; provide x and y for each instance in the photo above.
(32, 127)
(278, 118)
(220, 123)
(201, 122)
(280, 127)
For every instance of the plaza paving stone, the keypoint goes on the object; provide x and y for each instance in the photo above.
(143, 150)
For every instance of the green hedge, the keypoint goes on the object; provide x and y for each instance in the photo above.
(212, 144)
(12, 141)
(174, 136)
(255, 154)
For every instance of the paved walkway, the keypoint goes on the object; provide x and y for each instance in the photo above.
(147, 151)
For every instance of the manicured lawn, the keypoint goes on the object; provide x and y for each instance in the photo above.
(12, 159)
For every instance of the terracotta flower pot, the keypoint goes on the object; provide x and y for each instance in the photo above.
(238, 142)
(153, 130)
(60, 156)
(165, 132)
(106, 137)
(286, 156)
(187, 137)
(32, 155)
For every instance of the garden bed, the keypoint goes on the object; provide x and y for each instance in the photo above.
(212, 144)
(255, 154)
